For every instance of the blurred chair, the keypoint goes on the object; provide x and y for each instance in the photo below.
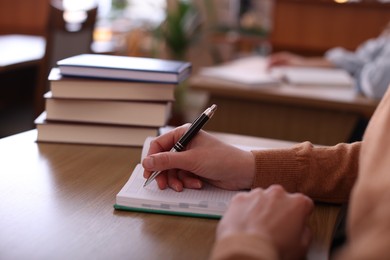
(68, 33)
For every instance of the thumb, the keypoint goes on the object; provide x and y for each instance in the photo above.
(164, 161)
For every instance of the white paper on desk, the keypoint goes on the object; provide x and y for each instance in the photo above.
(146, 146)
(311, 76)
(249, 70)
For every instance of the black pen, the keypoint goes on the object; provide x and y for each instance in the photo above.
(187, 137)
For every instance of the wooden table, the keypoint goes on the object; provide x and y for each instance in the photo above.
(322, 115)
(57, 202)
(18, 51)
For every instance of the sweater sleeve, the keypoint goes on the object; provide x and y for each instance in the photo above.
(325, 174)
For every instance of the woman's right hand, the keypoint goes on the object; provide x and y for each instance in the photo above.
(294, 60)
(205, 159)
(285, 59)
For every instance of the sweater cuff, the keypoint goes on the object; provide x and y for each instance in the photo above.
(243, 246)
(279, 166)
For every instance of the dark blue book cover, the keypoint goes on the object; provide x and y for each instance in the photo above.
(125, 68)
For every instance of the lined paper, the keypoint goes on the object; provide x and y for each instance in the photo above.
(209, 199)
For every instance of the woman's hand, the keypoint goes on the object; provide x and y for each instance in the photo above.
(273, 215)
(294, 60)
(204, 159)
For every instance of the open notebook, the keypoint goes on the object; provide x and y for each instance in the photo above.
(253, 71)
(249, 70)
(312, 76)
(209, 202)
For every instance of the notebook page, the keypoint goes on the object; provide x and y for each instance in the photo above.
(207, 200)
(145, 147)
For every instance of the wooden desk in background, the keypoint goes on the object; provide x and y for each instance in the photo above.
(322, 115)
(57, 201)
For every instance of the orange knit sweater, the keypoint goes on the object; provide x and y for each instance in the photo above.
(325, 174)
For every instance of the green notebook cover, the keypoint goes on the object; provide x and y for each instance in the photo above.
(166, 212)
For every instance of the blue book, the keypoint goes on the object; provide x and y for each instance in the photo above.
(125, 68)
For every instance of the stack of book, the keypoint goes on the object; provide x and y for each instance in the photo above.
(109, 100)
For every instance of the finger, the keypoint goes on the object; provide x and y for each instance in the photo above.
(275, 189)
(168, 160)
(166, 141)
(189, 180)
(306, 237)
(249, 202)
(147, 174)
(304, 203)
(162, 181)
(301, 249)
(173, 181)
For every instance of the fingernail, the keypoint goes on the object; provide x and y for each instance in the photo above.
(177, 187)
(149, 162)
(198, 185)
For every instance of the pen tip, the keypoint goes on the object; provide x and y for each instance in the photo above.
(213, 107)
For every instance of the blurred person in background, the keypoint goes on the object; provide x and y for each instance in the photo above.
(369, 64)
